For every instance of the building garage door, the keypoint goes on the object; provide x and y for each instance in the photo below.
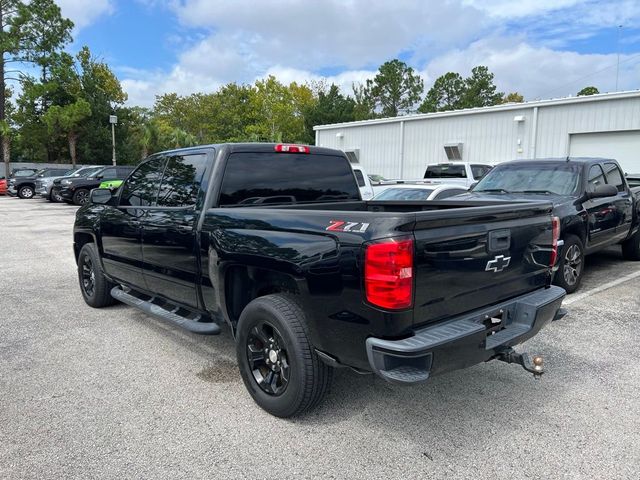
(623, 146)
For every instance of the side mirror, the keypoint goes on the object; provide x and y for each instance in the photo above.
(100, 196)
(603, 191)
(472, 185)
(99, 177)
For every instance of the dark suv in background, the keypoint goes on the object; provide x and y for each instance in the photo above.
(76, 190)
(25, 186)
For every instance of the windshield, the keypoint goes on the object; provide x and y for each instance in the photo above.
(446, 171)
(88, 171)
(556, 178)
(404, 194)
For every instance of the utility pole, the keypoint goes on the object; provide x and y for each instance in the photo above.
(113, 120)
(618, 50)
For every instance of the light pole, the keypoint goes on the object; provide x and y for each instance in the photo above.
(618, 51)
(113, 120)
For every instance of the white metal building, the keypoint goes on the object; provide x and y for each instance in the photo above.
(605, 125)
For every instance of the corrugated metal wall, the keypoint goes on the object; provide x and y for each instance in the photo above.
(487, 137)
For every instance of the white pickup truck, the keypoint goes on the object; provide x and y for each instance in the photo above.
(458, 173)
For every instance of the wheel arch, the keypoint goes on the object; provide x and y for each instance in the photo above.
(243, 283)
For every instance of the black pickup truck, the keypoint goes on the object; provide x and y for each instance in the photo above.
(591, 196)
(311, 277)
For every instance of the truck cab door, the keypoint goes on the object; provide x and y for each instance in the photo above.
(121, 225)
(622, 203)
(170, 247)
(602, 215)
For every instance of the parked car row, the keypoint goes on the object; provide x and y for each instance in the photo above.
(62, 184)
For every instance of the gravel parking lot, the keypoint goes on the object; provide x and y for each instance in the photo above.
(113, 393)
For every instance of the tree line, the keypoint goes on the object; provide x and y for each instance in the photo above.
(55, 106)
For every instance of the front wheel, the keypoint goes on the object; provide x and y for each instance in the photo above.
(279, 366)
(81, 196)
(570, 264)
(95, 287)
(55, 196)
(26, 192)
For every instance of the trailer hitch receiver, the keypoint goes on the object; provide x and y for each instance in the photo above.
(531, 363)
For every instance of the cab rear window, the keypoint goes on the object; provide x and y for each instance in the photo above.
(445, 171)
(286, 178)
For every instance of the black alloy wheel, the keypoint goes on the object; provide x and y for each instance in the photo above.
(94, 285)
(268, 359)
(279, 365)
(88, 282)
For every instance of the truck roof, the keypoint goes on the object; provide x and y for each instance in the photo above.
(582, 160)
(255, 147)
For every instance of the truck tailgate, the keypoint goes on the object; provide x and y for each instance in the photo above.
(467, 261)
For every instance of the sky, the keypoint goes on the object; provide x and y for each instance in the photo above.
(539, 48)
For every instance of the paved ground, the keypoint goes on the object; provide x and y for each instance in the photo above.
(113, 393)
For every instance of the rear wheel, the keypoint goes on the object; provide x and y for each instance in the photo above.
(81, 196)
(278, 364)
(26, 192)
(95, 288)
(571, 264)
(631, 247)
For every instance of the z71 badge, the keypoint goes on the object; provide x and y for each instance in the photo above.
(342, 226)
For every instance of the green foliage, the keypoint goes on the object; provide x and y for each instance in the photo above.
(364, 105)
(331, 107)
(480, 90)
(513, 97)
(588, 91)
(446, 94)
(31, 33)
(395, 90)
(451, 92)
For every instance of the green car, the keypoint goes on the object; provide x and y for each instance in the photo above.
(111, 184)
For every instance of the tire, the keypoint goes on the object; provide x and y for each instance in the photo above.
(81, 196)
(55, 197)
(95, 288)
(570, 264)
(272, 330)
(26, 192)
(631, 247)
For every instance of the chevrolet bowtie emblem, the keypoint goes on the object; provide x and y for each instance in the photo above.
(498, 264)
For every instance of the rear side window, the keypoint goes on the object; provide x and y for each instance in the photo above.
(595, 179)
(141, 188)
(614, 176)
(359, 178)
(109, 173)
(181, 181)
(283, 178)
(446, 171)
(479, 171)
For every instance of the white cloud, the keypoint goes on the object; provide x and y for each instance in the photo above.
(298, 40)
(538, 72)
(85, 12)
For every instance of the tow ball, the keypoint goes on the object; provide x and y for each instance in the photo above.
(531, 363)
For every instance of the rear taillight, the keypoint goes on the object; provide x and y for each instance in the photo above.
(284, 148)
(388, 274)
(555, 231)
